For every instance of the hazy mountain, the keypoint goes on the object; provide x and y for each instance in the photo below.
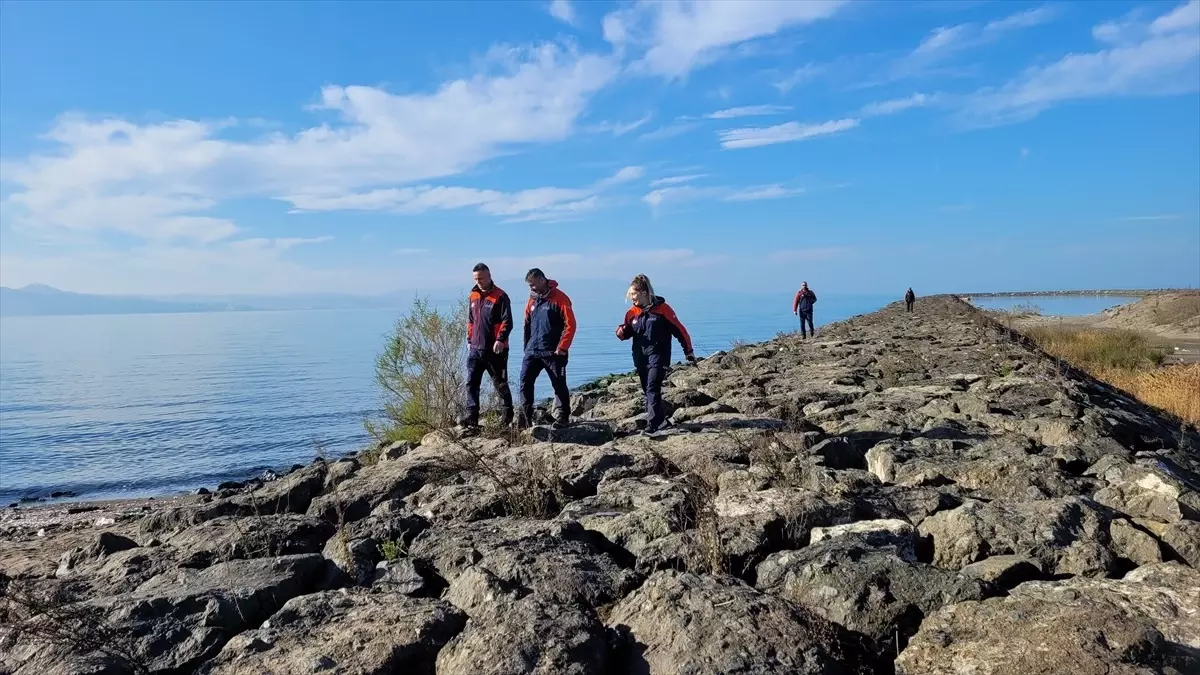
(40, 300)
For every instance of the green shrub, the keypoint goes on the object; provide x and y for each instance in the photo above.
(421, 373)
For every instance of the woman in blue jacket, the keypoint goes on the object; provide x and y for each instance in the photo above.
(651, 323)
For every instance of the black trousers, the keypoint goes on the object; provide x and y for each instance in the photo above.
(908, 305)
(555, 366)
(807, 315)
(652, 376)
(496, 365)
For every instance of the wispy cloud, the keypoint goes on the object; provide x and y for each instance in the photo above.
(676, 180)
(774, 191)
(1161, 57)
(896, 105)
(752, 137)
(945, 41)
(802, 75)
(1163, 216)
(564, 11)
(669, 131)
(747, 111)
(618, 128)
(673, 38)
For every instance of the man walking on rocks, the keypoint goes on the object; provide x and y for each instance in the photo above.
(802, 307)
(489, 323)
(910, 299)
(549, 330)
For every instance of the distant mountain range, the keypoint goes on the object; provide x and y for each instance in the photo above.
(39, 300)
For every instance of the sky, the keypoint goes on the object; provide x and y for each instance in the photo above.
(366, 147)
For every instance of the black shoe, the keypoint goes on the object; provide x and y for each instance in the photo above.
(468, 430)
(560, 424)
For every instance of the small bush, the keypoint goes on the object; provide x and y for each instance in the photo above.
(421, 373)
(392, 550)
(1096, 350)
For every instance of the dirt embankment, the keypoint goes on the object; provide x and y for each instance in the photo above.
(908, 493)
(1171, 320)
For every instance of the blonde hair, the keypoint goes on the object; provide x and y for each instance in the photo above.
(640, 283)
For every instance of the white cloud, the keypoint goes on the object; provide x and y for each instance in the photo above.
(896, 105)
(775, 191)
(748, 111)
(1027, 19)
(945, 41)
(788, 132)
(1156, 59)
(679, 193)
(158, 182)
(541, 203)
(674, 37)
(618, 128)
(676, 180)
(564, 11)
(606, 264)
(802, 75)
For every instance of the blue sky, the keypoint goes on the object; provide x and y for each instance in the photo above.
(371, 147)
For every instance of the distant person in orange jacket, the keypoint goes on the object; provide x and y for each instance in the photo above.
(910, 299)
(549, 330)
(802, 307)
(651, 324)
(489, 323)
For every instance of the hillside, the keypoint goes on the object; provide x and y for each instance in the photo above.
(39, 300)
(917, 493)
(1174, 314)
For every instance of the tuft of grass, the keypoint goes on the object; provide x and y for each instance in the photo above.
(393, 550)
(1097, 350)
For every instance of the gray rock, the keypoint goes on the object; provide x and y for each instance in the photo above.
(632, 512)
(1147, 490)
(579, 433)
(1183, 538)
(1066, 536)
(1005, 571)
(1143, 623)
(355, 497)
(229, 538)
(687, 623)
(839, 453)
(877, 591)
(886, 532)
(1133, 544)
(513, 631)
(346, 631)
(553, 559)
(175, 621)
(339, 472)
(461, 498)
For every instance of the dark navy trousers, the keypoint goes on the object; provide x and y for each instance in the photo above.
(496, 365)
(652, 375)
(555, 366)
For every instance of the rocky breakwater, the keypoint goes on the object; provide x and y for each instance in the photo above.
(917, 493)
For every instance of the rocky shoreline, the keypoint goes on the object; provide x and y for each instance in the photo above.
(910, 493)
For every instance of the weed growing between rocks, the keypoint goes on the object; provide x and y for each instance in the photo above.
(393, 550)
(532, 490)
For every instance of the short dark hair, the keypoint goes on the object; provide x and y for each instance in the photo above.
(480, 267)
(534, 273)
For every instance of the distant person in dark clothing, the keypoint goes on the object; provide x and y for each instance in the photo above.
(549, 330)
(489, 323)
(910, 299)
(651, 323)
(802, 307)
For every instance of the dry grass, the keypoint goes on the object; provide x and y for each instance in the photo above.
(1175, 389)
(1128, 361)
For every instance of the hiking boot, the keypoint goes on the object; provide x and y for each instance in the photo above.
(467, 430)
(560, 424)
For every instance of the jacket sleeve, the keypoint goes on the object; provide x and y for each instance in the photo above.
(568, 334)
(796, 301)
(812, 297)
(470, 319)
(677, 328)
(504, 328)
(628, 325)
(528, 306)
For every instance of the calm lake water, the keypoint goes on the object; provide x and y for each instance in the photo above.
(133, 405)
(1065, 305)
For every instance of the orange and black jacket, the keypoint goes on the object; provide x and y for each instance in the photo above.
(489, 318)
(652, 329)
(549, 322)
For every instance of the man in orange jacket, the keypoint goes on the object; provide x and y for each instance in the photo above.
(549, 330)
(489, 323)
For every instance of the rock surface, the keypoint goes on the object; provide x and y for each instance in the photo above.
(918, 483)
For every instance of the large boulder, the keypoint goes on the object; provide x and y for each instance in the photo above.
(632, 512)
(292, 493)
(876, 589)
(753, 524)
(1145, 623)
(171, 623)
(358, 495)
(1066, 536)
(1147, 489)
(345, 631)
(686, 623)
(511, 631)
(558, 560)
(229, 538)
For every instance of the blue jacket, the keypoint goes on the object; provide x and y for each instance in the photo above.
(549, 322)
(804, 301)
